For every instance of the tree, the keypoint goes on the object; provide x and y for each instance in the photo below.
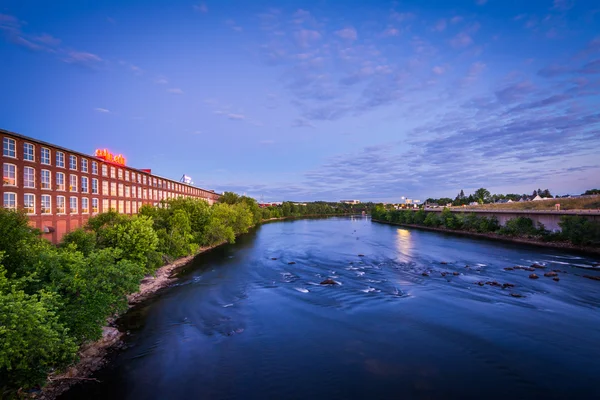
(482, 195)
(229, 198)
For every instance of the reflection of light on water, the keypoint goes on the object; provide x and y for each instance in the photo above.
(404, 241)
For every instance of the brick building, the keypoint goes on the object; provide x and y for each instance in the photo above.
(60, 189)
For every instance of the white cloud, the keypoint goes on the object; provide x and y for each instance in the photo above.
(347, 33)
(438, 70)
(237, 117)
(391, 31)
(202, 8)
(305, 37)
(102, 110)
(161, 81)
(461, 40)
(175, 91)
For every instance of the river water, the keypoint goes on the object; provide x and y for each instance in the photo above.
(240, 325)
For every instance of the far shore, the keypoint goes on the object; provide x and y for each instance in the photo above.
(502, 238)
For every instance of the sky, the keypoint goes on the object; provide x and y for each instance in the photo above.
(315, 100)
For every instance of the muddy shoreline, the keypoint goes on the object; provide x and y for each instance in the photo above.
(508, 239)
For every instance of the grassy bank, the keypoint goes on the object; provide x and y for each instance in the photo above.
(581, 203)
(509, 239)
(576, 231)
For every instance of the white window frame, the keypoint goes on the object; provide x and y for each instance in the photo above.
(27, 154)
(6, 180)
(94, 167)
(105, 188)
(14, 195)
(113, 189)
(84, 165)
(49, 208)
(63, 184)
(105, 205)
(85, 188)
(71, 205)
(94, 189)
(25, 207)
(120, 174)
(113, 172)
(104, 170)
(43, 159)
(73, 183)
(25, 174)
(49, 187)
(9, 145)
(64, 205)
(95, 207)
(85, 205)
(72, 162)
(60, 159)
(126, 175)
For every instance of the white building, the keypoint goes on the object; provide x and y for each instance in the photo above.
(350, 201)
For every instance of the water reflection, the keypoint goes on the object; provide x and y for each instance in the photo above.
(403, 241)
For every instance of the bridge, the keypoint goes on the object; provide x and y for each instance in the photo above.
(549, 218)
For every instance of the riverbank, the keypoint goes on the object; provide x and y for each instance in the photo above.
(92, 356)
(502, 238)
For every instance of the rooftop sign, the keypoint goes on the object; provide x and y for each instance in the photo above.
(110, 157)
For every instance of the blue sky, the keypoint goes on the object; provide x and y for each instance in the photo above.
(316, 100)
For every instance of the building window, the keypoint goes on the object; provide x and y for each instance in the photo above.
(84, 165)
(113, 172)
(60, 181)
(139, 178)
(28, 152)
(104, 170)
(46, 179)
(94, 186)
(104, 188)
(29, 203)
(134, 207)
(60, 204)
(127, 207)
(127, 191)
(84, 184)
(73, 205)
(126, 175)
(121, 206)
(144, 179)
(10, 201)
(73, 162)
(85, 205)
(120, 190)
(120, 172)
(45, 156)
(105, 207)
(145, 192)
(46, 204)
(9, 148)
(94, 168)
(133, 194)
(9, 175)
(94, 206)
(113, 188)
(28, 177)
(60, 159)
(73, 183)
(113, 205)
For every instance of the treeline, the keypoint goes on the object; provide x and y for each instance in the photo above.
(483, 196)
(574, 229)
(55, 298)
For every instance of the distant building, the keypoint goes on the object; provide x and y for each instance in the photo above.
(350, 201)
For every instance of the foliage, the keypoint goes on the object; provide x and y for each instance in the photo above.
(580, 230)
(84, 241)
(521, 226)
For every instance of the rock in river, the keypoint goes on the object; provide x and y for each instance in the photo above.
(536, 265)
(292, 262)
(533, 276)
(550, 274)
(329, 281)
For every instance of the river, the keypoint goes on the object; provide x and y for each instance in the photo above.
(240, 325)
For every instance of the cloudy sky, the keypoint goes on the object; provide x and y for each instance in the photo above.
(309, 100)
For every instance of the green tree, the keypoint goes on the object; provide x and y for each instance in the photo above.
(482, 195)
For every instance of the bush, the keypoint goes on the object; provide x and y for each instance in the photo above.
(521, 226)
(580, 230)
(84, 241)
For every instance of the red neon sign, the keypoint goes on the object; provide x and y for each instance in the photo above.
(110, 157)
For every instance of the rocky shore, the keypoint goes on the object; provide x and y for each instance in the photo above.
(92, 356)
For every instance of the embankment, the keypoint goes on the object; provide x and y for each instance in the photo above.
(503, 238)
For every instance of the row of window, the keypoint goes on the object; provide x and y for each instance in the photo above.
(9, 150)
(29, 205)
